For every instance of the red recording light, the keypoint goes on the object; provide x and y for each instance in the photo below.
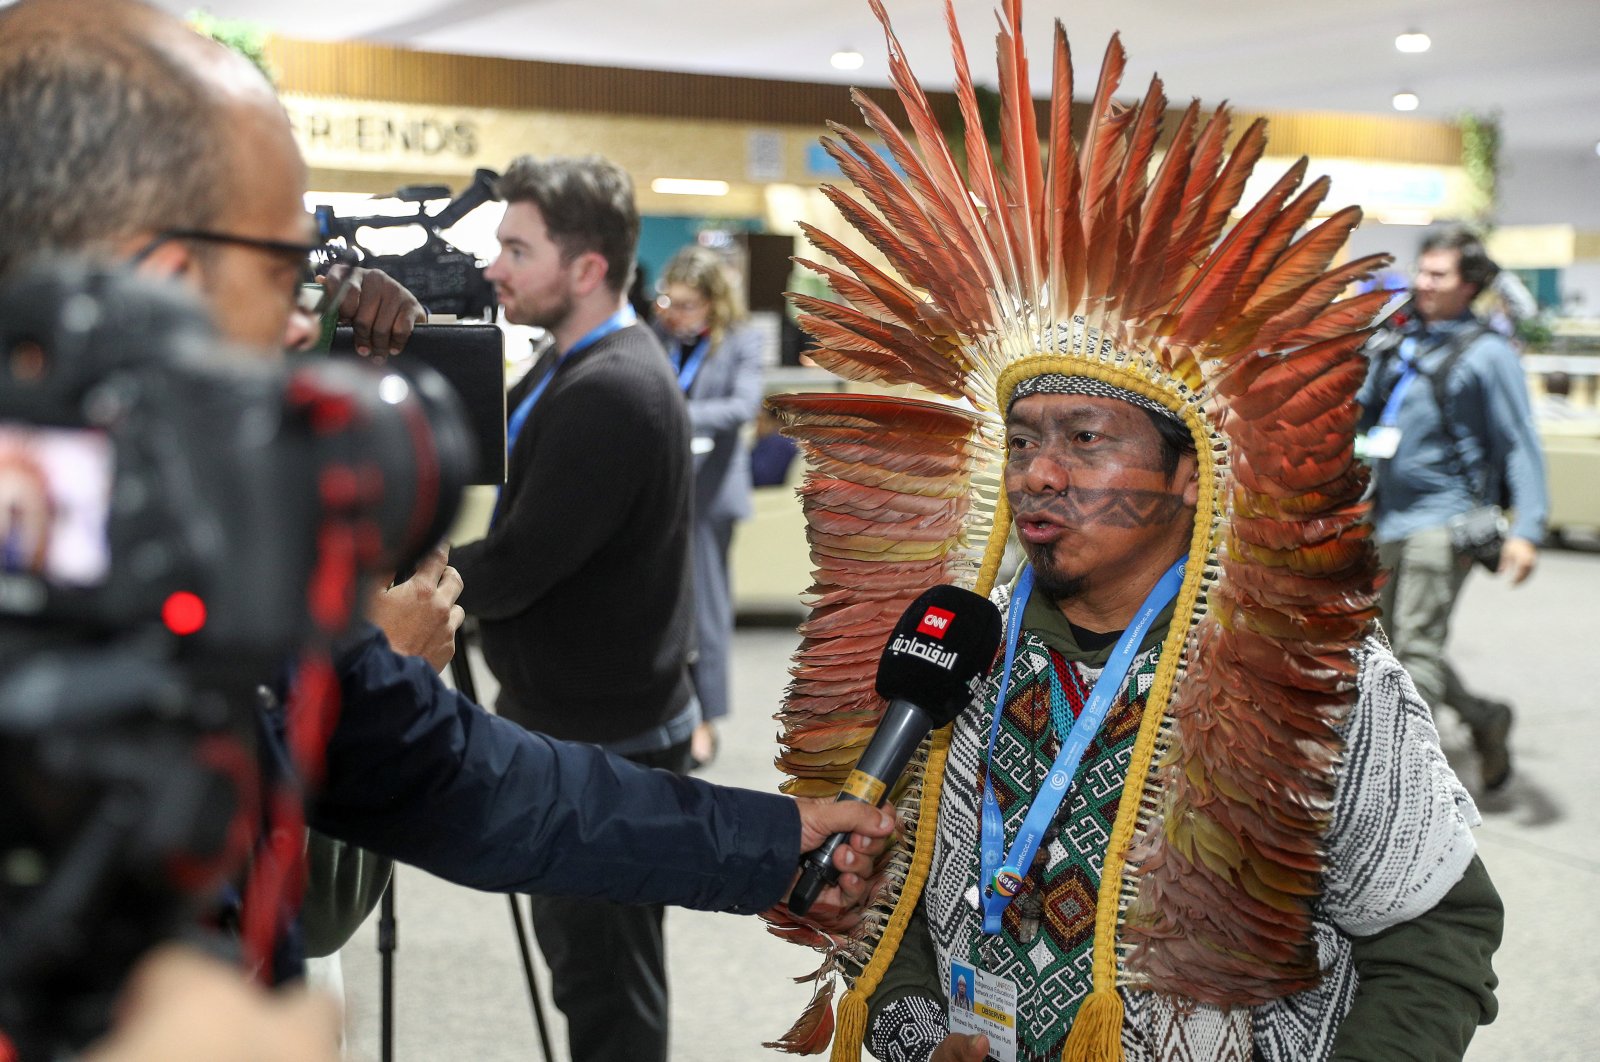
(184, 613)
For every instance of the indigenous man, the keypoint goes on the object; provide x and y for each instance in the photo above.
(1197, 810)
(1103, 491)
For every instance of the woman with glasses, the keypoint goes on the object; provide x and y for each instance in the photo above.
(718, 357)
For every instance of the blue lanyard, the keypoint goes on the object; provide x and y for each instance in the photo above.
(1408, 364)
(615, 323)
(1001, 883)
(519, 417)
(691, 365)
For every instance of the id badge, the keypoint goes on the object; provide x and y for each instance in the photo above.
(982, 1002)
(1382, 442)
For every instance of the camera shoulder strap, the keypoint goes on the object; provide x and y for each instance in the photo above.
(1439, 378)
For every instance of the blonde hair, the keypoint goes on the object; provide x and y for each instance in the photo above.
(702, 270)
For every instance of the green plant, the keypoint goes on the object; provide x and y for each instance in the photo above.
(1535, 333)
(1480, 157)
(246, 38)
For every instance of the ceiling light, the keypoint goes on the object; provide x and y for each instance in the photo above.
(848, 59)
(688, 186)
(1406, 101)
(1413, 42)
(1597, 147)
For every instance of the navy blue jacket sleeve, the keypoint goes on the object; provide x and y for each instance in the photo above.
(419, 773)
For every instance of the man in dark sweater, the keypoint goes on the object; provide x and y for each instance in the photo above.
(582, 585)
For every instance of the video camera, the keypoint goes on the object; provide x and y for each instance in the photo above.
(444, 278)
(1388, 329)
(177, 519)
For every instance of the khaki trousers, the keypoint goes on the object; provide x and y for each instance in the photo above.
(1425, 578)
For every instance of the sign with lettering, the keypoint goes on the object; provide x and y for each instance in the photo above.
(370, 135)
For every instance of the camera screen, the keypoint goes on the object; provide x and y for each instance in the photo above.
(55, 502)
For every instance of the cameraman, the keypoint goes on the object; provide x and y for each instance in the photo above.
(129, 137)
(1449, 428)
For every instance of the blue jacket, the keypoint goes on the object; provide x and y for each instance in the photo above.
(417, 772)
(1419, 487)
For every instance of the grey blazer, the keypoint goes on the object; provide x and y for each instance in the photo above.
(724, 397)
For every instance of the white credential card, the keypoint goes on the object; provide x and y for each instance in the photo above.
(984, 1003)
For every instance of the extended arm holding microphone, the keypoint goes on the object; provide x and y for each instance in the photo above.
(943, 642)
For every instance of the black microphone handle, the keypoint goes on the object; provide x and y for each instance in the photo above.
(903, 727)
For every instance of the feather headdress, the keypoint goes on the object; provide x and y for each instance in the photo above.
(1073, 257)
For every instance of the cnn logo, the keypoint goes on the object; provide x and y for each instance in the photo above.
(935, 622)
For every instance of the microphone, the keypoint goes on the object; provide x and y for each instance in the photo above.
(942, 644)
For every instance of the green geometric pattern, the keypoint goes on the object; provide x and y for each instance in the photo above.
(1047, 943)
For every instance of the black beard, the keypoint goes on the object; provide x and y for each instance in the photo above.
(1054, 584)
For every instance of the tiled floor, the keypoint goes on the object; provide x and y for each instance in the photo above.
(461, 994)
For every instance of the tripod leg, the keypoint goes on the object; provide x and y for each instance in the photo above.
(386, 946)
(526, 949)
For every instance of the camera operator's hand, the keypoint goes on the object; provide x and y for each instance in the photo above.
(381, 311)
(182, 1006)
(420, 616)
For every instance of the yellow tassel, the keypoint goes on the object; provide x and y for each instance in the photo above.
(850, 1028)
(1096, 1034)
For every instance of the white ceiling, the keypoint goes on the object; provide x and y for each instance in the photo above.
(1532, 61)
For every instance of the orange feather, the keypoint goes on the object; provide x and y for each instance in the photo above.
(1019, 147)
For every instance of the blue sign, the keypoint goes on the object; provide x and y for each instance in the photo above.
(821, 164)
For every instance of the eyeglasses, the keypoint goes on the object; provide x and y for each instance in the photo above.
(664, 302)
(325, 269)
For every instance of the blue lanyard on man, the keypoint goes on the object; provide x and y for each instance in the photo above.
(615, 323)
(1409, 372)
(691, 364)
(519, 417)
(1002, 882)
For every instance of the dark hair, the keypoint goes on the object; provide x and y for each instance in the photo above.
(1476, 267)
(1175, 440)
(587, 205)
(104, 135)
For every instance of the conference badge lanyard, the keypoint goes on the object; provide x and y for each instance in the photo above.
(519, 417)
(1382, 441)
(980, 1001)
(691, 365)
(1002, 881)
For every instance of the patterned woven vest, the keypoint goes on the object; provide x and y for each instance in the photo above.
(1045, 948)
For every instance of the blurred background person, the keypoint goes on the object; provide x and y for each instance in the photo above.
(1449, 429)
(1556, 403)
(718, 357)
